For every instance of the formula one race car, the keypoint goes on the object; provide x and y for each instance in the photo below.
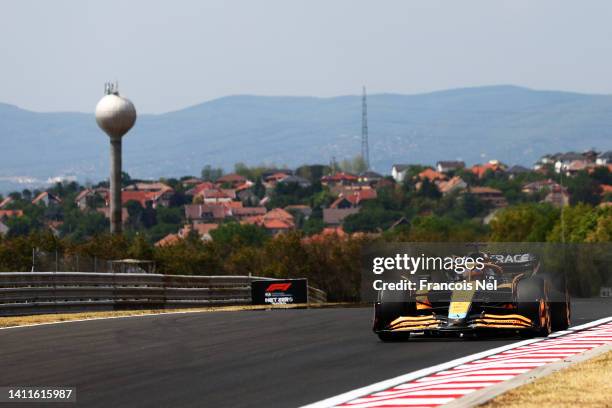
(523, 300)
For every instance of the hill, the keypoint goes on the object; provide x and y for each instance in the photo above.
(512, 124)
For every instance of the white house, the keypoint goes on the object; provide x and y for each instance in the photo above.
(398, 172)
(604, 158)
(3, 228)
(447, 166)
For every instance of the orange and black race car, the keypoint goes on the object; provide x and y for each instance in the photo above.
(507, 294)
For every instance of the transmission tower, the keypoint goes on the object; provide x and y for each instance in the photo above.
(365, 148)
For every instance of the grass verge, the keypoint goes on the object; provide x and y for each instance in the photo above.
(585, 384)
(13, 321)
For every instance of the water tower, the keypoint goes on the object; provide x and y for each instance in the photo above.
(115, 116)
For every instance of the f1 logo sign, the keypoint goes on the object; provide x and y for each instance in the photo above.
(278, 287)
(279, 291)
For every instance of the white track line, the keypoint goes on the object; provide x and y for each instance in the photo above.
(142, 315)
(386, 384)
(97, 318)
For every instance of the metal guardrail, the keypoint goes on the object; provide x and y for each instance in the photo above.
(28, 293)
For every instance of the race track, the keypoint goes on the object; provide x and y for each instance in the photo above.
(280, 358)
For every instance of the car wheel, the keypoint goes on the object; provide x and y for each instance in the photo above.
(545, 320)
(532, 299)
(560, 314)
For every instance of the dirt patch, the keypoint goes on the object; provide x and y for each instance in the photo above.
(586, 384)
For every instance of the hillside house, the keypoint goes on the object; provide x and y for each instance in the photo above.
(370, 177)
(4, 229)
(517, 170)
(4, 203)
(203, 230)
(305, 210)
(4, 214)
(45, 198)
(168, 240)
(431, 175)
(354, 199)
(538, 186)
(489, 195)
(335, 216)
(479, 170)
(342, 178)
(448, 166)
(268, 172)
(335, 232)
(215, 196)
(159, 194)
(86, 198)
(563, 160)
(207, 213)
(149, 186)
(144, 198)
(245, 212)
(300, 181)
(606, 189)
(55, 227)
(82, 198)
(196, 189)
(558, 196)
(454, 184)
(234, 180)
(275, 221)
(399, 171)
(191, 182)
(271, 180)
(603, 159)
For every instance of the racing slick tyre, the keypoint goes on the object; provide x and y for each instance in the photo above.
(387, 311)
(560, 313)
(532, 298)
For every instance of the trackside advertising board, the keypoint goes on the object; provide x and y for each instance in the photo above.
(285, 291)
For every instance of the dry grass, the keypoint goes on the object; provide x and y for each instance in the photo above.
(63, 317)
(585, 384)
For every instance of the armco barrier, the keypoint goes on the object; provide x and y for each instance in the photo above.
(27, 293)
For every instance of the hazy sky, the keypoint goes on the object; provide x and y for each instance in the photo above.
(56, 55)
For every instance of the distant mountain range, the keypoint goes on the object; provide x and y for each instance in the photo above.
(515, 125)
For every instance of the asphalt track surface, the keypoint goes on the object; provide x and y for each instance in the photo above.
(279, 358)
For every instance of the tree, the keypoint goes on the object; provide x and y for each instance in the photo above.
(444, 229)
(355, 165)
(250, 173)
(285, 194)
(370, 220)
(79, 225)
(471, 205)
(211, 174)
(524, 223)
(169, 216)
(428, 190)
(582, 223)
(135, 212)
(140, 248)
(232, 235)
(258, 189)
(313, 226)
(602, 175)
(126, 180)
(313, 173)
(583, 189)
(27, 195)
